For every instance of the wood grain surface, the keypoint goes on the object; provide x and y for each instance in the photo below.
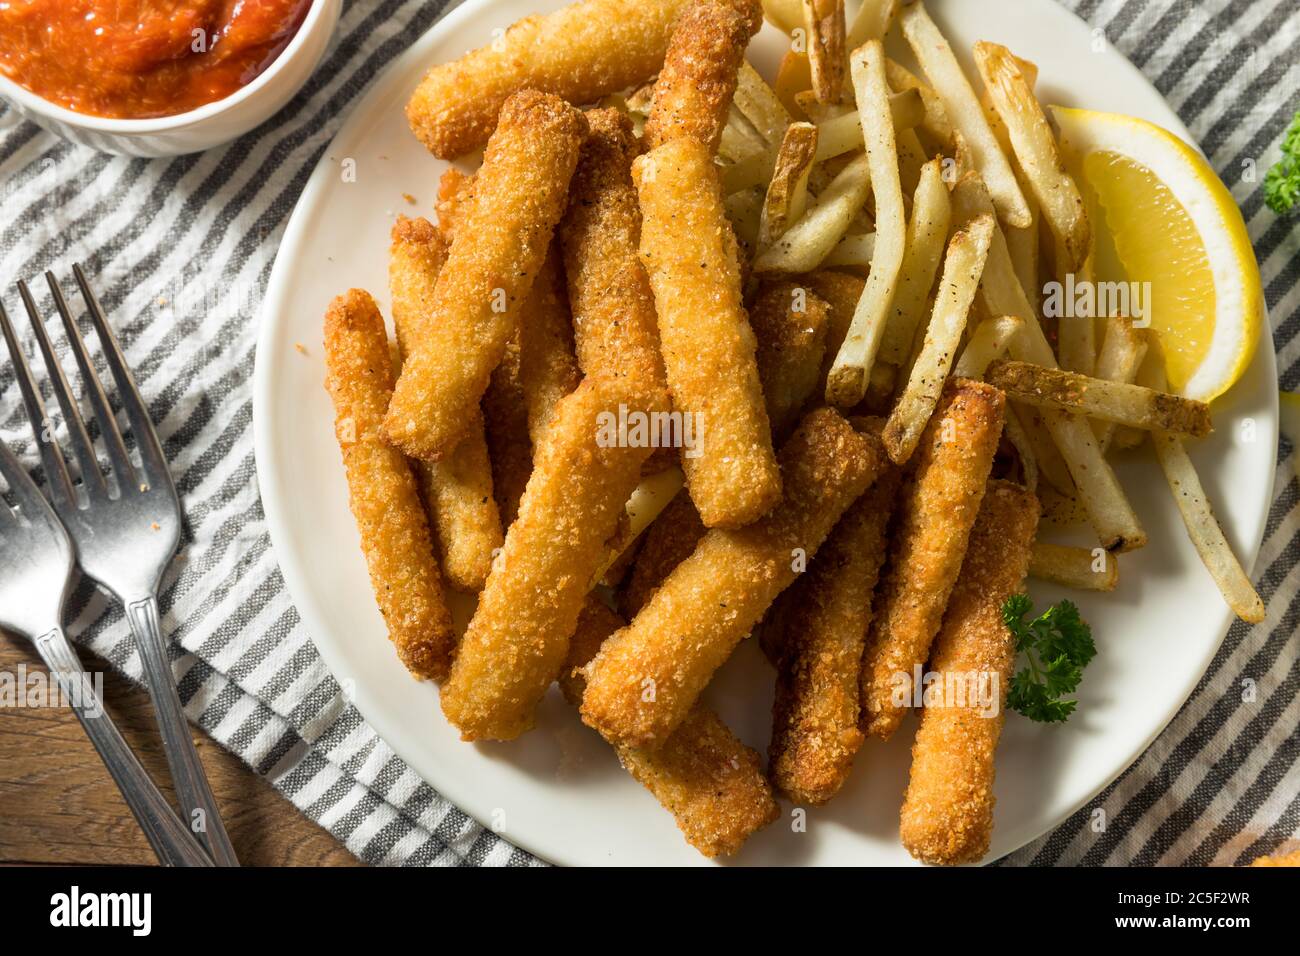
(59, 806)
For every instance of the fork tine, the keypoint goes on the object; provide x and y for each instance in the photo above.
(56, 471)
(81, 444)
(99, 401)
(23, 489)
(146, 437)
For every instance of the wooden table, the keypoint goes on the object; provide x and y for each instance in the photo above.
(59, 806)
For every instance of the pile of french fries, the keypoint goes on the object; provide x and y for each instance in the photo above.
(834, 279)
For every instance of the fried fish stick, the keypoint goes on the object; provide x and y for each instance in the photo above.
(708, 346)
(382, 490)
(948, 811)
(458, 489)
(790, 324)
(505, 419)
(936, 514)
(710, 782)
(646, 678)
(668, 542)
(548, 369)
(815, 732)
(613, 307)
(580, 53)
(519, 195)
(455, 193)
(698, 81)
(519, 636)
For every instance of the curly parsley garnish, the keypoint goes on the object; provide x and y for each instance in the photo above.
(1057, 646)
(1282, 182)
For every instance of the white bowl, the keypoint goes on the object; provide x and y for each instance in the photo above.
(196, 130)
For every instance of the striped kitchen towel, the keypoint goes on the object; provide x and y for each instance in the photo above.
(181, 250)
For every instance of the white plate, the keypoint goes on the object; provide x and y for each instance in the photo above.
(558, 791)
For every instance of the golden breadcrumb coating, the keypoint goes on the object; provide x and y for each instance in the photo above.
(647, 677)
(455, 193)
(815, 713)
(937, 512)
(382, 490)
(519, 636)
(693, 93)
(505, 417)
(708, 346)
(669, 541)
(841, 292)
(710, 782)
(790, 323)
(1285, 859)
(496, 251)
(580, 53)
(458, 489)
(548, 369)
(947, 814)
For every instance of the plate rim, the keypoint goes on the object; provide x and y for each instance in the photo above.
(268, 476)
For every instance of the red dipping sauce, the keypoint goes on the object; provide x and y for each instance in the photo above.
(133, 59)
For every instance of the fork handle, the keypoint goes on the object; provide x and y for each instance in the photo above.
(173, 843)
(191, 782)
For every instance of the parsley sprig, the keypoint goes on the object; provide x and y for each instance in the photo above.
(1282, 182)
(1057, 646)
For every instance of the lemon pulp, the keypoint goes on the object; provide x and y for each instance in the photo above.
(1150, 238)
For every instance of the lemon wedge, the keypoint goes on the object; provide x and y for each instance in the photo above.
(1172, 227)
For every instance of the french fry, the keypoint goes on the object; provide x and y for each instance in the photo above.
(708, 346)
(579, 53)
(648, 676)
(1016, 433)
(1088, 570)
(841, 291)
(853, 250)
(710, 782)
(457, 490)
(785, 15)
(787, 194)
(760, 105)
(815, 732)
(1198, 517)
(935, 122)
(744, 211)
(790, 324)
(927, 233)
(962, 267)
(1076, 345)
(650, 499)
(1131, 405)
(792, 76)
(1034, 143)
(1051, 464)
(693, 94)
(1150, 374)
(852, 367)
(843, 134)
(936, 513)
(871, 22)
(964, 111)
(947, 815)
(987, 344)
(519, 195)
(518, 639)
(382, 491)
(1123, 348)
(823, 21)
(806, 243)
(1108, 509)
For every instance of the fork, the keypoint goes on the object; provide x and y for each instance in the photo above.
(125, 532)
(38, 562)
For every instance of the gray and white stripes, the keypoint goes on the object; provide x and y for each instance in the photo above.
(182, 250)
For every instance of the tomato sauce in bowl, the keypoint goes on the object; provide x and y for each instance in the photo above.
(135, 59)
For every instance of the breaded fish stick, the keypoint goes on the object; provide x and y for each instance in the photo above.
(815, 714)
(548, 369)
(518, 638)
(937, 512)
(382, 490)
(790, 324)
(948, 811)
(695, 87)
(519, 195)
(580, 53)
(458, 489)
(710, 782)
(646, 678)
(668, 542)
(708, 346)
(505, 418)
